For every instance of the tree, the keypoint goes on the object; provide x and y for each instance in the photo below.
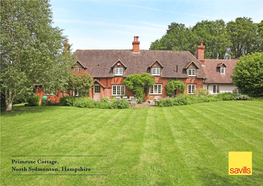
(178, 37)
(260, 35)
(31, 49)
(243, 36)
(248, 74)
(80, 82)
(139, 84)
(222, 41)
(215, 38)
(173, 85)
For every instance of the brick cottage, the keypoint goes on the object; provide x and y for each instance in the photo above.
(110, 67)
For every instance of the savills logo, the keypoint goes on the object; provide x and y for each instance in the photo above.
(240, 163)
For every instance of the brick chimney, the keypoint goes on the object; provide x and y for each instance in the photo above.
(200, 53)
(136, 44)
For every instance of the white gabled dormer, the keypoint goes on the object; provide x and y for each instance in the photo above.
(222, 68)
(118, 68)
(191, 69)
(155, 68)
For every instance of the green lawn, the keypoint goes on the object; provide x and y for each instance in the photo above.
(184, 145)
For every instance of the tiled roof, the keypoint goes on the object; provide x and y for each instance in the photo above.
(189, 63)
(213, 74)
(99, 62)
(101, 84)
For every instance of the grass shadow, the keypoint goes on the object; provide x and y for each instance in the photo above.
(21, 110)
(209, 177)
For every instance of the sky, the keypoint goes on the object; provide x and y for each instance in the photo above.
(112, 24)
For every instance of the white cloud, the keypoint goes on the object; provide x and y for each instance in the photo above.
(155, 9)
(101, 23)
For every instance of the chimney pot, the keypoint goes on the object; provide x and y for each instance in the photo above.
(136, 44)
(200, 53)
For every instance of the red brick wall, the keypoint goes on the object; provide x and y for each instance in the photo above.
(193, 80)
(53, 98)
(107, 92)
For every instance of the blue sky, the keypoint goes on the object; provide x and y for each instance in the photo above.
(113, 24)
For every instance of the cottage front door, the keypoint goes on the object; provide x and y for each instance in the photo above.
(96, 91)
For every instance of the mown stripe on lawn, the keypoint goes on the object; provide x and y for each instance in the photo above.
(235, 132)
(157, 140)
(186, 155)
(126, 156)
(195, 154)
(240, 128)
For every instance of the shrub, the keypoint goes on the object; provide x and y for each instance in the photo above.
(68, 101)
(89, 103)
(226, 96)
(139, 84)
(247, 74)
(120, 104)
(105, 100)
(49, 103)
(173, 85)
(33, 100)
(103, 105)
(192, 99)
(201, 92)
(63, 101)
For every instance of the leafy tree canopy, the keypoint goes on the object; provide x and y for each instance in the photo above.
(243, 36)
(221, 40)
(32, 51)
(80, 81)
(248, 74)
(173, 85)
(139, 84)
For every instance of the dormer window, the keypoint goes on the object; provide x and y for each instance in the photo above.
(118, 71)
(191, 72)
(156, 71)
(222, 70)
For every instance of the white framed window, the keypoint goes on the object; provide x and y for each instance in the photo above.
(97, 89)
(215, 89)
(191, 88)
(156, 71)
(222, 70)
(77, 69)
(118, 71)
(118, 90)
(191, 72)
(156, 89)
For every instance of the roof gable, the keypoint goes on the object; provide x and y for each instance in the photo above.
(156, 61)
(221, 64)
(190, 63)
(116, 63)
(98, 82)
(81, 64)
